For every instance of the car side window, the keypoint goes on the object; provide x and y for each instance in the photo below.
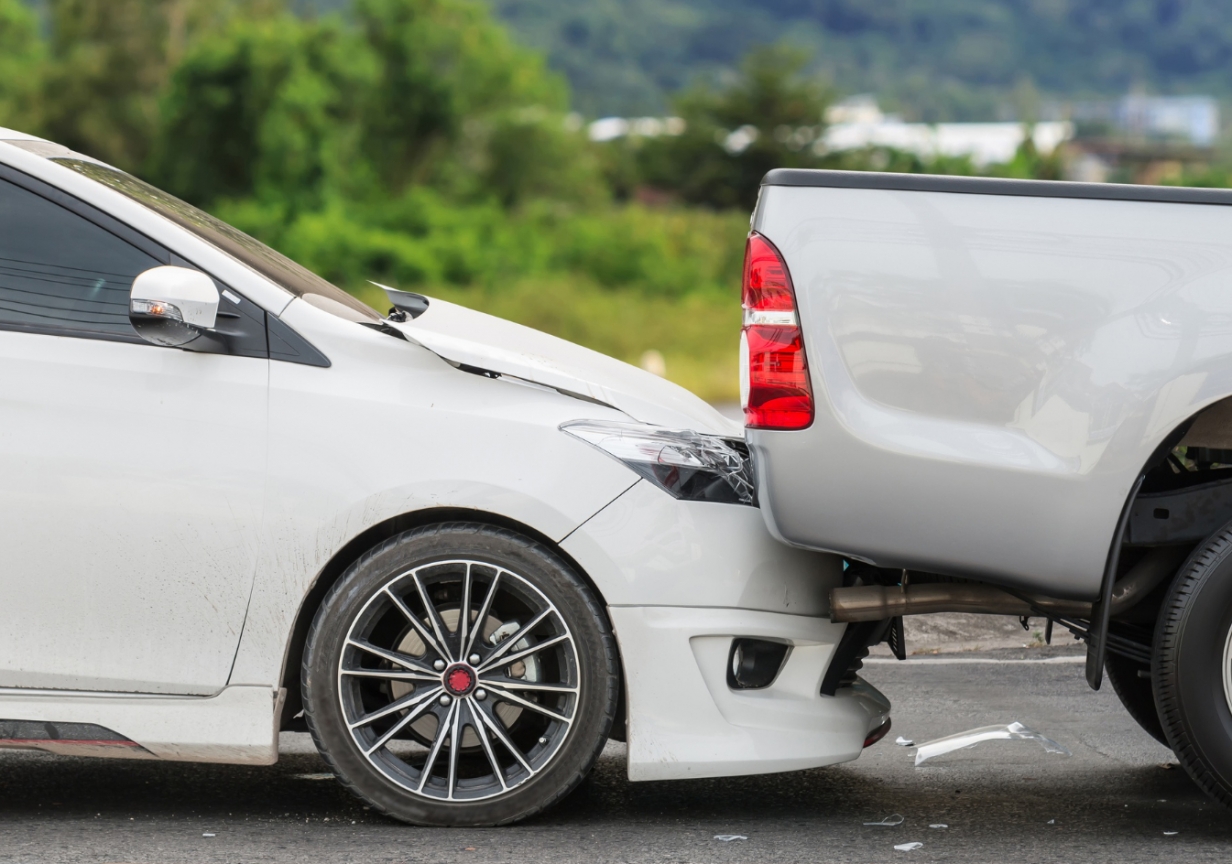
(61, 273)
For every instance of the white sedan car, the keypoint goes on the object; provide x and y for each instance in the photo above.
(464, 553)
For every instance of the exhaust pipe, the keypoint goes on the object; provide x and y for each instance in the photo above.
(878, 602)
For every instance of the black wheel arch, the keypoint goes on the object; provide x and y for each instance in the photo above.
(1144, 495)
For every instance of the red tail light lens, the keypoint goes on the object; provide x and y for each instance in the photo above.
(775, 385)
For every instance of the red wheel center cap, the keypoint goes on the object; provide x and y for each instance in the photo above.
(459, 680)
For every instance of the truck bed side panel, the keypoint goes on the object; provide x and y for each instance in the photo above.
(991, 372)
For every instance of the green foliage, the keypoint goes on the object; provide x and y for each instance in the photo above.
(448, 76)
(263, 109)
(777, 110)
(20, 62)
(402, 94)
(1029, 164)
(1215, 176)
(531, 154)
(899, 162)
(109, 62)
(629, 57)
(108, 58)
(423, 240)
(935, 59)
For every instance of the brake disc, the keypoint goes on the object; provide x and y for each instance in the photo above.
(495, 631)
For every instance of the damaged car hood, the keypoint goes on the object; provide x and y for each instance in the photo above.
(464, 336)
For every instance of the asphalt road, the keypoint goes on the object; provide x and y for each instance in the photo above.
(1112, 800)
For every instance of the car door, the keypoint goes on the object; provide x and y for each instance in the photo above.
(131, 476)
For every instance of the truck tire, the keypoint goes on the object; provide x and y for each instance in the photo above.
(1191, 666)
(1136, 693)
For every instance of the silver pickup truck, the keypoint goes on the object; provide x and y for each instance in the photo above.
(1008, 397)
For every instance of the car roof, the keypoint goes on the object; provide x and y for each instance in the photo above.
(14, 135)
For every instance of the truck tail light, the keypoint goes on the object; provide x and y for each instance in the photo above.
(774, 382)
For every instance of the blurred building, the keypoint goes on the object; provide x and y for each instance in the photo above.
(611, 128)
(1192, 120)
(858, 122)
(1134, 139)
(1141, 139)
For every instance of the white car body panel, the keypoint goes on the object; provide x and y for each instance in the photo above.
(249, 476)
(993, 371)
(685, 720)
(121, 465)
(676, 609)
(648, 549)
(238, 725)
(403, 431)
(486, 342)
(14, 135)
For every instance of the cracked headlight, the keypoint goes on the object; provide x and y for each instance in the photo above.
(684, 464)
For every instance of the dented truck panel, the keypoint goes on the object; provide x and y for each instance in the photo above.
(992, 371)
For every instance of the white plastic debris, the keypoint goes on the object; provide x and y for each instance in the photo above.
(904, 742)
(1171, 833)
(939, 825)
(323, 776)
(888, 822)
(962, 740)
(1052, 821)
(908, 847)
(208, 835)
(727, 838)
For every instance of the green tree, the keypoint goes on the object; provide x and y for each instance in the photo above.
(401, 94)
(265, 109)
(109, 63)
(531, 153)
(21, 54)
(450, 88)
(769, 116)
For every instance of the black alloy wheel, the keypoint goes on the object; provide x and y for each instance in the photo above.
(460, 674)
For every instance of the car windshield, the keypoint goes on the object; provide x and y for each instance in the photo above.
(273, 265)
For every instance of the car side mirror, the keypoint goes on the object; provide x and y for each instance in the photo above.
(172, 306)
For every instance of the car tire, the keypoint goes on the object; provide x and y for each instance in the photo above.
(1136, 693)
(1190, 665)
(436, 723)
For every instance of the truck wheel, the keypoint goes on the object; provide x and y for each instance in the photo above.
(1192, 666)
(460, 674)
(1137, 694)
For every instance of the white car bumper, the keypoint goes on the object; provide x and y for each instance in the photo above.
(685, 721)
(682, 581)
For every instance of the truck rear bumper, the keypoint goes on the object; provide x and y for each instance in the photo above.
(685, 721)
